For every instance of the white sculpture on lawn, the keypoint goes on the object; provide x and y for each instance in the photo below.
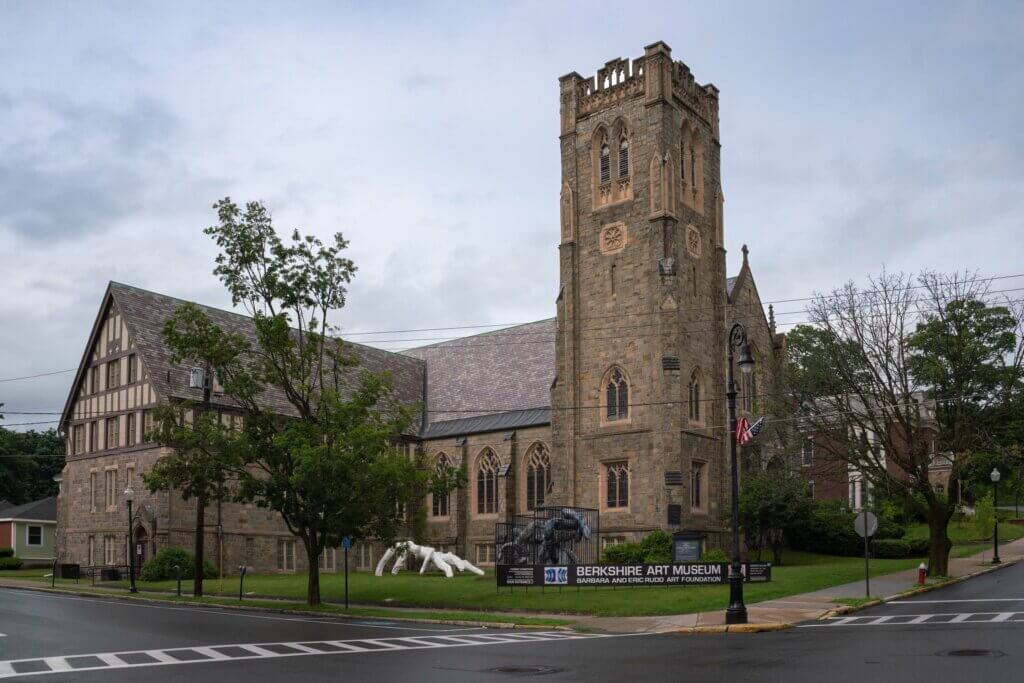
(404, 551)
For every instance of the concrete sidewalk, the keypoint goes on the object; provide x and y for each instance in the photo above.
(804, 606)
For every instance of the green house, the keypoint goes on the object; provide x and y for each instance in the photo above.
(31, 529)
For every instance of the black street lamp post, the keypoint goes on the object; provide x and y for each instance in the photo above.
(995, 505)
(736, 613)
(129, 496)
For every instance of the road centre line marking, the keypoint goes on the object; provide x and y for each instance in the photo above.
(336, 622)
(261, 651)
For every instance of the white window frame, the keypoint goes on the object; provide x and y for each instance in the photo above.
(28, 535)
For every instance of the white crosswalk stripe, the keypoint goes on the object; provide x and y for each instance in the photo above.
(944, 618)
(248, 651)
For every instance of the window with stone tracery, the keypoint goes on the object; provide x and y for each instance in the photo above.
(538, 476)
(487, 483)
(623, 158)
(439, 502)
(616, 396)
(616, 485)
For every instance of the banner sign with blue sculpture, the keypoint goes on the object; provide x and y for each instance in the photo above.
(673, 574)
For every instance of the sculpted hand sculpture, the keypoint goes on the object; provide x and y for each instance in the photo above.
(407, 550)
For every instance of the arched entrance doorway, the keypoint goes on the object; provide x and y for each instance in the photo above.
(141, 543)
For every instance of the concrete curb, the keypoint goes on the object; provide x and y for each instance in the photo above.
(733, 628)
(850, 609)
(275, 610)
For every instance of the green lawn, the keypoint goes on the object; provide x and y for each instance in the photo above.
(803, 572)
(966, 539)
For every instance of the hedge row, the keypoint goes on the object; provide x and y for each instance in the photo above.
(9, 563)
(898, 548)
(830, 531)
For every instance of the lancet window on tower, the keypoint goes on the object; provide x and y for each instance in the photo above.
(616, 396)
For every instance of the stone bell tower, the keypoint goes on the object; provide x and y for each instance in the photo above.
(641, 304)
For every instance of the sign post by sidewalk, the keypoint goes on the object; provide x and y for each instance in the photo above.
(346, 543)
(866, 524)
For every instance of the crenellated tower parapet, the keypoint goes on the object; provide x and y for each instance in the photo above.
(653, 76)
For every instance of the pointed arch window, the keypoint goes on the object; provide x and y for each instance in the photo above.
(606, 163)
(623, 157)
(695, 412)
(487, 483)
(616, 396)
(616, 485)
(439, 502)
(538, 476)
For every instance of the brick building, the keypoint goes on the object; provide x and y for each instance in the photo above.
(616, 403)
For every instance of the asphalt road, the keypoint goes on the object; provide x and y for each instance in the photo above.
(85, 639)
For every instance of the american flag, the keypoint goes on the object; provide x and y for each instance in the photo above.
(745, 432)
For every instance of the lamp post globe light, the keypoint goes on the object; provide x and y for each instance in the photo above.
(736, 613)
(129, 496)
(995, 506)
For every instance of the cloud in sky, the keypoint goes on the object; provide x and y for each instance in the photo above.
(853, 135)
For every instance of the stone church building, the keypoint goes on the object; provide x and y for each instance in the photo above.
(617, 403)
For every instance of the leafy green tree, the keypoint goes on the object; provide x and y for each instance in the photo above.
(28, 462)
(326, 460)
(772, 503)
(206, 454)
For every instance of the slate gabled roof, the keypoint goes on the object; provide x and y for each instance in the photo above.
(44, 510)
(495, 372)
(146, 312)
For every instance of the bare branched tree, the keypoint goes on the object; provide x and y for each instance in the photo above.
(889, 377)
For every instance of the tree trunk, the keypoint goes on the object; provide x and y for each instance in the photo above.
(777, 554)
(313, 587)
(197, 579)
(939, 543)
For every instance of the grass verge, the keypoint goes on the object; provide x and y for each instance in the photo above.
(471, 595)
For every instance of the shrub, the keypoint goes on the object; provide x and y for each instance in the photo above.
(656, 547)
(918, 546)
(829, 530)
(6, 552)
(984, 518)
(716, 555)
(161, 566)
(892, 548)
(8, 562)
(623, 553)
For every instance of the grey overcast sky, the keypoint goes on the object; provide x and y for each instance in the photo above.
(855, 135)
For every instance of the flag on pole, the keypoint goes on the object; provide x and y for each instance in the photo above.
(745, 432)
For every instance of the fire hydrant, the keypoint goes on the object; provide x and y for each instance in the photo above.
(922, 572)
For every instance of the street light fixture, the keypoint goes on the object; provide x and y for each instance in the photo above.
(129, 496)
(736, 613)
(995, 505)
